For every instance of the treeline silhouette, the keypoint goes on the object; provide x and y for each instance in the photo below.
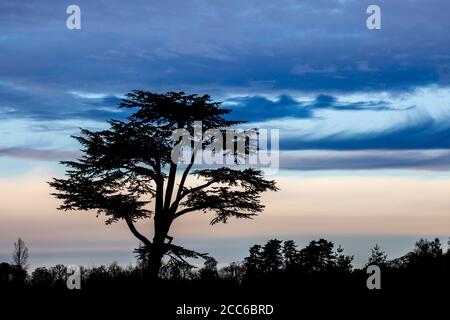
(319, 264)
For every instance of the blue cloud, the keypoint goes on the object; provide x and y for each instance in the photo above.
(323, 101)
(231, 46)
(260, 108)
(367, 160)
(427, 133)
(228, 49)
(42, 105)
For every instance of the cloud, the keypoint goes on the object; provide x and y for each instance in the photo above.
(260, 108)
(231, 46)
(305, 69)
(37, 103)
(324, 101)
(37, 154)
(427, 133)
(436, 160)
(257, 56)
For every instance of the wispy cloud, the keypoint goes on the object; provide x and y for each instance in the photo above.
(38, 103)
(433, 160)
(38, 154)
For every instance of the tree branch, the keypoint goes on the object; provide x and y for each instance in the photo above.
(136, 233)
(184, 211)
(180, 194)
(170, 185)
(159, 187)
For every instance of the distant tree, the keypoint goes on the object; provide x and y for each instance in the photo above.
(377, 257)
(343, 263)
(317, 256)
(209, 270)
(234, 271)
(174, 270)
(41, 278)
(142, 257)
(253, 263)
(5, 272)
(132, 163)
(425, 254)
(20, 254)
(428, 249)
(59, 275)
(272, 258)
(97, 276)
(290, 255)
(436, 248)
(115, 270)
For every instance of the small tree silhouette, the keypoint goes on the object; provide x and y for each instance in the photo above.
(377, 257)
(233, 272)
(343, 262)
(20, 255)
(253, 263)
(130, 165)
(59, 275)
(272, 259)
(209, 270)
(290, 255)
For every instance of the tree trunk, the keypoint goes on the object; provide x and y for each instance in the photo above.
(157, 250)
(155, 261)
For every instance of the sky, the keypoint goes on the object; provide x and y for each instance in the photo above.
(363, 114)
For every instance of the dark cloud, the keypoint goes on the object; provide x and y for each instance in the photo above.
(260, 108)
(323, 101)
(43, 104)
(223, 46)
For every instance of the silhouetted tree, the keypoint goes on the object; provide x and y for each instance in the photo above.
(115, 270)
(41, 278)
(20, 254)
(425, 254)
(176, 270)
(377, 257)
(5, 272)
(290, 255)
(142, 257)
(132, 163)
(234, 271)
(97, 275)
(272, 259)
(18, 270)
(209, 270)
(59, 275)
(317, 256)
(253, 263)
(428, 249)
(343, 263)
